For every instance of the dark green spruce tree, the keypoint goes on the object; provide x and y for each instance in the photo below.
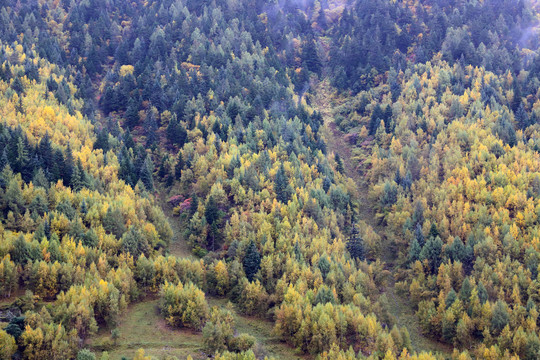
(252, 261)
(355, 245)
(281, 185)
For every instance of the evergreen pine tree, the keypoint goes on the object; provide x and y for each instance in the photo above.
(146, 174)
(3, 160)
(172, 129)
(419, 235)
(150, 126)
(433, 232)
(132, 114)
(21, 158)
(482, 293)
(128, 139)
(252, 261)
(233, 164)
(281, 185)
(432, 251)
(298, 252)
(212, 215)
(521, 117)
(450, 298)
(414, 251)
(310, 56)
(466, 290)
(211, 212)
(102, 141)
(76, 180)
(376, 118)
(162, 168)
(326, 184)
(500, 317)
(20, 253)
(46, 152)
(339, 164)
(355, 244)
(68, 166)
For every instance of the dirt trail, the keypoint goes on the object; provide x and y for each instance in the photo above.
(179, 246)
(400, 307)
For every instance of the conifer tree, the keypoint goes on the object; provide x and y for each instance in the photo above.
(281, 185)
(465, 291)
(414, 251)
(419, 235)
(252, 261)
(500, 317)
(211, 212)
(68, 166)
(21, 252)
(432, 251)
(150, 126)
(355, 244)
(310, 56)
(146, 174)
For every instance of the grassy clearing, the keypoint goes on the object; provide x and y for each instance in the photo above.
(179, 246)
(143, 327)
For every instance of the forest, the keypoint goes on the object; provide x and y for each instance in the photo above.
(284, 179)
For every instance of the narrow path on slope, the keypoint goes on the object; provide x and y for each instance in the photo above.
(179, 246)
(400, 307)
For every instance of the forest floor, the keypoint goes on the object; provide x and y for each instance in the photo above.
(401, 308)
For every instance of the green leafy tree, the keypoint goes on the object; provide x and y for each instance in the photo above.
(8, 346)
(183, 305)
(219, 329)
(134, 242)
(324, 265)
(114, 223)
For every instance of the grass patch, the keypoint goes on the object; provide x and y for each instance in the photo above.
(143, 327)
(403, 311)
